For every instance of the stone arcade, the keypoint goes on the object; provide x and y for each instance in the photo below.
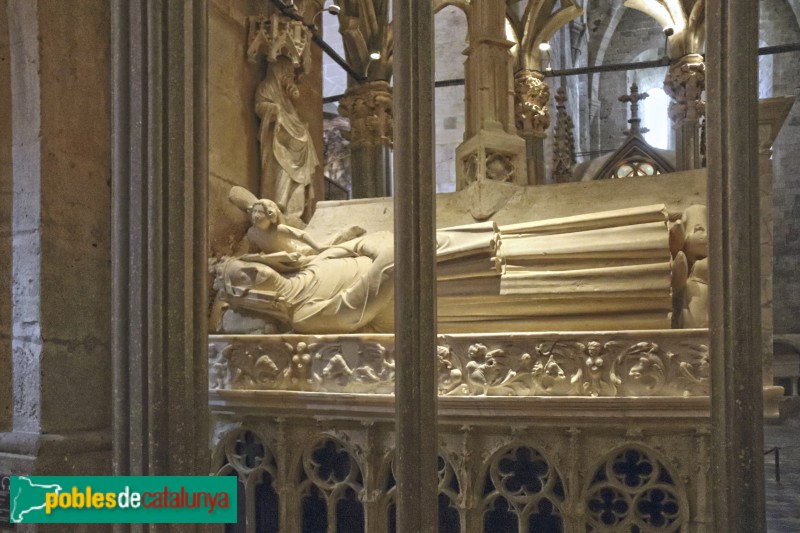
(547, 347)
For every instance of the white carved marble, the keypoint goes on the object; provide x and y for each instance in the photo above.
(602, 364)
(608, 270)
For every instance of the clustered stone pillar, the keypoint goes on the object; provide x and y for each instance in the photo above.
(685, 83)
(368, 105)
(734, 242)
(532, 95)
(160, 199)
(492, 150)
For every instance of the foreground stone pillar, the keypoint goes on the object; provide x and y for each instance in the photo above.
(685, 83)
(60, 276)
(735, 299)
(368, 105)
(159, 181)
(5, 222)
(415, 283)
(533, 119)
(492, 150)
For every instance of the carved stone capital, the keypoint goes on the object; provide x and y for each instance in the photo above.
(369, 108)
(531, 96)
(685, 83)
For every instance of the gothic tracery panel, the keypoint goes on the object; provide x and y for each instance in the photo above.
(632, 491)
(522, 492)
(331, 485)
(245, 455)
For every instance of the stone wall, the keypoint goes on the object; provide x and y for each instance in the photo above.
(636, 33)
(779, 25)
(5, 221)
(232, 127)
(60, 236)
(450, 25)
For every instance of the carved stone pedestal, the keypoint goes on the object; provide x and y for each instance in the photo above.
(304, 419)
(492, 150)
(491, 155)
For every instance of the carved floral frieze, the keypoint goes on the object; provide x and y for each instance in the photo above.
(523, 365)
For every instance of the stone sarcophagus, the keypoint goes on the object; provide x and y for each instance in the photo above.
(572, 363)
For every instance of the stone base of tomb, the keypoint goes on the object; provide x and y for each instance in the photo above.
(580, 431)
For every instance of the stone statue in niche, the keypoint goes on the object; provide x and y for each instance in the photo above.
(606, 270)
(288, 155)
(689, 245)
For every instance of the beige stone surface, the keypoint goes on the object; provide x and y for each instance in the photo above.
(233, 130)
(61, 231)
(677, 191)
(5, 221)
(226, 224)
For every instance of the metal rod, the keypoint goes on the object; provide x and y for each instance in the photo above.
(778, 49)
(655, 63)
(289, 11)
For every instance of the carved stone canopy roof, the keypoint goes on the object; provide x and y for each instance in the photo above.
(635, 157)
(636, 153)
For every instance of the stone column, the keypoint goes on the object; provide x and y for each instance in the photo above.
(772, 113)
(60, 276)
(532, 95)
(685, 83)
(492, 150)
(368, 105)
(414, 250)
(5, 221)
(159, 180)
(735, 318)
